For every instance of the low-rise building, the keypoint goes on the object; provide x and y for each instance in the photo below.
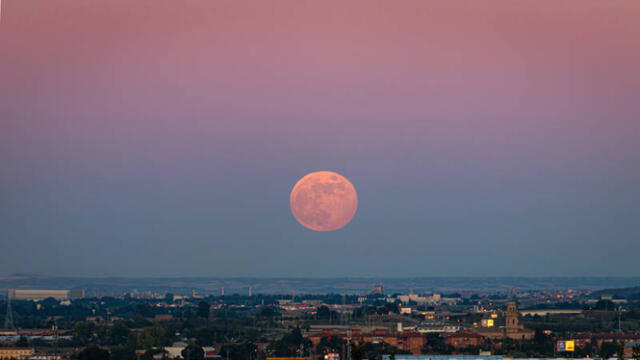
(38, 294)
(407, 340)
(465, 339)
(631, 348)
(16, 353)
(162, 317)
(583, 339)
(437, 327)
(545, 312)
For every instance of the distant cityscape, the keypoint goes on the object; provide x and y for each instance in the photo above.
(275, 319)
(354, 285)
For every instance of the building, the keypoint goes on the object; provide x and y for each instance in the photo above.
(437, 327)
(545, 312)
(16, 353)
(512, 328)
(378, 289)
(48, 335)
(434, 299)
(443, 357)
(33, 294)
(407, 340)
(45, 357)
(630, 347)
(212, 352)
(489, 320)
(600, 338)
(465, 339)
(175, 350)
(162, 317)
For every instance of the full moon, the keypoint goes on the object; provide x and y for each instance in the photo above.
(323, 201)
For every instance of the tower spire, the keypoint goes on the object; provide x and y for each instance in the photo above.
(8, 320)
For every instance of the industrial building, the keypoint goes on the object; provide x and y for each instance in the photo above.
(41, 294)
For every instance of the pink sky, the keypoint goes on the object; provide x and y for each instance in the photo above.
(467, 97)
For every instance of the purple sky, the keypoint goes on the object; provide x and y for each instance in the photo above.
(162, 138)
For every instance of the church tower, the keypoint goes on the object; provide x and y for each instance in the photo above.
(512, 317)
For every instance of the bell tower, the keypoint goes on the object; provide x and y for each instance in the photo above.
(512, 317)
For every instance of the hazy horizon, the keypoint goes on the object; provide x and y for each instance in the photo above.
(342, 285)
(156, 138)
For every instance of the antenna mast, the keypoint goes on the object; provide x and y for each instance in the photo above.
(8, 320)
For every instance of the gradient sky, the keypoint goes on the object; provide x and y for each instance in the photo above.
(162, 138)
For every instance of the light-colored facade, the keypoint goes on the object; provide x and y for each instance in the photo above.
(33, 294)
(545, 312)
(16, 353)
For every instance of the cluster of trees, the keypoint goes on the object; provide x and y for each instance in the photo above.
(94, 352)
(86, 332)
(387, 308)
(121, 341)
(436, 345)
(541, 345)
(290, 345)
(31, 314)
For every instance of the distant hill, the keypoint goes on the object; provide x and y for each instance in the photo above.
(632, 293)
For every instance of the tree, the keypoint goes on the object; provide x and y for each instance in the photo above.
(542, 343)
(635, 352)
(436, 345)
(151, 337)
(293, 344)
(152, 354)
(239, 351)
(49, 302)
(119, 333)
(375, 351)
(22, 342)
(392, 308)
(133, 341)
(606, 305)
(93, 353)
(268, 312)
(330, 344)
(78, 313)
(145, 310)
(203, 309)
(323, 313)
(83, 331)
(620, 352)
(609, 349)
(102, 333)
(205, 335)
(168, 298)
(357, 351)
(122, 353)
(193, 352)
(586, 351)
